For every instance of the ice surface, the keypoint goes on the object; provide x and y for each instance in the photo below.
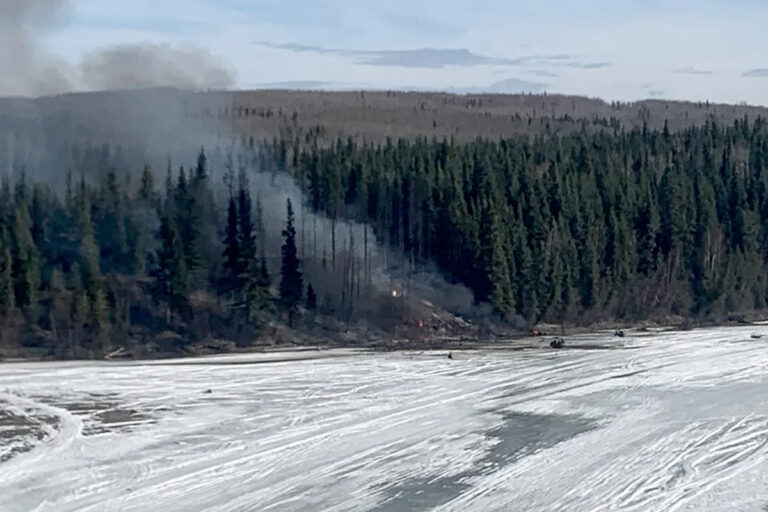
(662, 421)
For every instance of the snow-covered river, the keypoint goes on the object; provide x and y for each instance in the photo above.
(675, 421)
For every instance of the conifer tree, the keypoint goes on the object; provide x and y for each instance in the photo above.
(247, 258)
(26, 260)
(90, 266)
(291, 283)
(170, 274)
(7, 299)
(311, 298)
(147, 189)
(231, 252)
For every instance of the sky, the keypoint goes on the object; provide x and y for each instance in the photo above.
(616, 50)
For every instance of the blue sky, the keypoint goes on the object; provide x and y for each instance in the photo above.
(621, 49)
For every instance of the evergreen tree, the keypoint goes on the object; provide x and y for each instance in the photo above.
(311, 298)
(170, 274)
(147, 189)
(291, 283)
(247, 257)
(7, 299)
(26, 260)
(231, 252)
(90, 267)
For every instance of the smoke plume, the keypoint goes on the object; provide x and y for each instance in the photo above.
(326, 247)
(27, 69)
(164, 121)
(146, 65)
(30, 69)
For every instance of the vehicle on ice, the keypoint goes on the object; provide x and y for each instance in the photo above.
(557, 343)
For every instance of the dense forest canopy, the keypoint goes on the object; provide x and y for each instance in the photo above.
(604, 222)
(624, 224)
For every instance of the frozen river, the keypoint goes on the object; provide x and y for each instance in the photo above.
(675, 421)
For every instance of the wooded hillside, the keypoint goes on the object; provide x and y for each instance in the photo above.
(481, 205)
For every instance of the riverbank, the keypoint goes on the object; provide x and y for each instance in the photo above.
(449, 334)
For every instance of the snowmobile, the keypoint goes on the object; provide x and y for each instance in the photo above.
(557, 343)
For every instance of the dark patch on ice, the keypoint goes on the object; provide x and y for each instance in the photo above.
(522, 434)
(517, 436)
(20, 433)
(104, 413)
(422, 493)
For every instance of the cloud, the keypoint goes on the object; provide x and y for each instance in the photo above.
(655, 93)
(508, 86)
(559, 60)
(416, 58)
(295, 85)
(436, 58)
(756, 73)
(427, 58)
(690, 70)
(299, 47)
(545, 73)
(587, 65)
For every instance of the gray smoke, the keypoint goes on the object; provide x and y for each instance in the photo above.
(154, 117)
(164, 120)
(29, 69)
(386, 271)
(146, 65)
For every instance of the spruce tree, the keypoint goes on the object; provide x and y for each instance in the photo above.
(247, 267)
(291, 284)
(311, 298)
(170, 274)
(90, 267)
(26, 261)
(7, 299)
(231, 252)
(147, 189)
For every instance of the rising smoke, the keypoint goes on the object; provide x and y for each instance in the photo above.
(30, 69)
(377, 269)
(149, 124)
(153, 125)
(141, 66)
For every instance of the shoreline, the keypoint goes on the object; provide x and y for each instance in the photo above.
(279, 353)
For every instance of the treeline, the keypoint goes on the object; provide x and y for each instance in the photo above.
(621, 224)
(626, 224)
(109, 263)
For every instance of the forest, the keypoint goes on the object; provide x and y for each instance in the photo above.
(622, 224)
(618, 224)
(83, 271)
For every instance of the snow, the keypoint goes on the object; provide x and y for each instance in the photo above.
(654, 421)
